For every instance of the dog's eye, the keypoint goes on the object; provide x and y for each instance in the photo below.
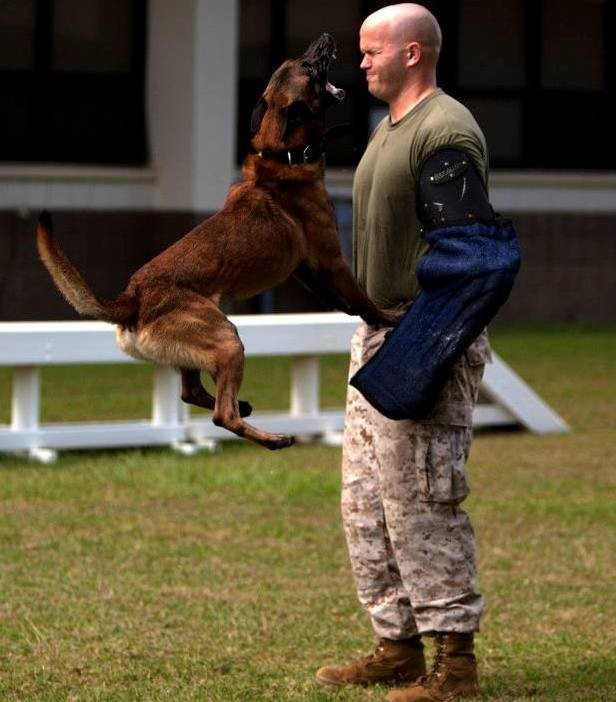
(297, 111)
(295, 118)
(310, 69)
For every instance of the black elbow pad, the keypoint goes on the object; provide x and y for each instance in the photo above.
(451, 191)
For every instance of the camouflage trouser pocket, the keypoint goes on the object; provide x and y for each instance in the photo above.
(479, 352)
(442, 473)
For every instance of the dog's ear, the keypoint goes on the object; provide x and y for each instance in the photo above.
(257, 115)
(294, 114)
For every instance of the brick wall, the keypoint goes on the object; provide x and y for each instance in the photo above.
(568, 272)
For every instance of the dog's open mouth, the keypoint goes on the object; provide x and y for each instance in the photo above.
(337, 93)
(317, 59)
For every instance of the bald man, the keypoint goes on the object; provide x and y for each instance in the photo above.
(411, 545)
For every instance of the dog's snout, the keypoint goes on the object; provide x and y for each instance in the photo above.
(321, 51)
(328, 41)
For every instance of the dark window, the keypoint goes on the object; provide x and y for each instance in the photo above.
(72, 80)
(273, 30)
(539, 75)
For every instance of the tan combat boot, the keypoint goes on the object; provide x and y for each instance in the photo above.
(392, 661)
(453, 674)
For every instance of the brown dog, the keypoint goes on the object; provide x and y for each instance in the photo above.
(276, 222)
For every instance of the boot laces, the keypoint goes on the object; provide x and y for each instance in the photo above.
(374, 656)
(437, 664)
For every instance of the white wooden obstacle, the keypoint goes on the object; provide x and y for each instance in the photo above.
(26, 346)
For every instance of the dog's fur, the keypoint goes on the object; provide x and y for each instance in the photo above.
(277, 221)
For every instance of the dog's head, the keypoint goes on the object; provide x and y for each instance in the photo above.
(291, 112)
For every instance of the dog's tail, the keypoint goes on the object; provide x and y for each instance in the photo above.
(73, 285)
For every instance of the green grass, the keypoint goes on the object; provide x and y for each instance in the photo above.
(143, 575)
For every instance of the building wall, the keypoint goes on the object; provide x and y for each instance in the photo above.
(112, 219)
(567, 274)
(568, 270)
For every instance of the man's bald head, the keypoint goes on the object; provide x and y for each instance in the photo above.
(405, 23)
(400, 45)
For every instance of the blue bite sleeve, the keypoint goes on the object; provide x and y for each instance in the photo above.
(466, 276)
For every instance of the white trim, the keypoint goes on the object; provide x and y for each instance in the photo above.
(169, 90)
(554, 179)
(191, 105)
(343, 178)
(76, 187)
(215, 81)
(526, 191)
(48, 172)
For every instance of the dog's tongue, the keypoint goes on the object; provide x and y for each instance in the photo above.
(338, 93)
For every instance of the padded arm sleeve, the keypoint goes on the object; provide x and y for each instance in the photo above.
(466, 275)
(451, 190)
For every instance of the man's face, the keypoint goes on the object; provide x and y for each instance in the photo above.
(384, 60)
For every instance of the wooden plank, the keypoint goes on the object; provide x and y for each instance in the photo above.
(505, 387)
(47, 343)
(91, 435)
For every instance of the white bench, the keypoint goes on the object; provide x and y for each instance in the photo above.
(26, 346)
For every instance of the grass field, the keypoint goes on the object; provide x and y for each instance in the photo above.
(143, 575)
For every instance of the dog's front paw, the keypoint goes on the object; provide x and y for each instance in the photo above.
(389, 318)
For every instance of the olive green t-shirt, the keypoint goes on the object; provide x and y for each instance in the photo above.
(387, 242)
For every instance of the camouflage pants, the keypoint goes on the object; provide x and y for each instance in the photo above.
(411, 546)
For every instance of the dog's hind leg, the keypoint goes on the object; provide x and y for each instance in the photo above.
(196, 336)
(194, 393)
(228, 378)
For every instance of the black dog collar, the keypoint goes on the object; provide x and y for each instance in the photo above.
(292, 157)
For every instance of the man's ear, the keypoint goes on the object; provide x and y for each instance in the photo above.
(413, 53)
(257, 115)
